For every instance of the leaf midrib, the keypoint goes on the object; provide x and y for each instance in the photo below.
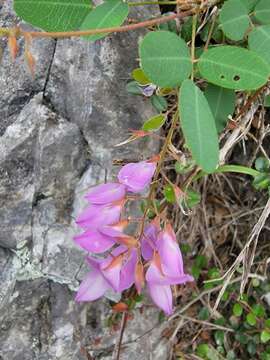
(52, 3)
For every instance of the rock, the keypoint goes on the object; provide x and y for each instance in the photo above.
(57, 137)
(42, 322)
(17, 85)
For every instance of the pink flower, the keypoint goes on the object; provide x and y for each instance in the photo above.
(115, 230)
(162, 297)
(94, 285)
(94, 241)
(170, 254)
(137, 176)
(166, 268)
(116, 272)
(106, 193)
(149, 239)
(96, 216)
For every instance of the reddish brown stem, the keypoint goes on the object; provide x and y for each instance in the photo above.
(124, 28)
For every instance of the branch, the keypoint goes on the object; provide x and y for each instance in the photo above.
(125, 28)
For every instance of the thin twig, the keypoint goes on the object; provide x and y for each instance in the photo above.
(125, 28)
(119, 343)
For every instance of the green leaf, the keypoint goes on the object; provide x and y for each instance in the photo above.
(168, 26)
(195, 271)
(251, 319)
(53, 15)
(265, 336)
(165, 58)
(203, 314)
(198, 126)
(219, 337)
(159, 103)
(201, 261)
(237, 310)
(222, 104)
(262, 11)
(139, 76)
(133, 88)
(185, 167)
(262, 164)
(234, 19)
(267, 101)
(251, 348)
(259, 41)
(233, 67)
(202, 350)
(154, 123)
(169, 194)
(110, 14)
(258, 310)
(186, 29)
(250, 4)
(192, 199)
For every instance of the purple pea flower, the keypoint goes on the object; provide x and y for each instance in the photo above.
(137, 176)
(166, 269)
(162, 297)
(149, 239)
(115, 230)
(96, 216)
(170, 254)
(94, 241)
(106, 193)
(116, 272)
(94, 285)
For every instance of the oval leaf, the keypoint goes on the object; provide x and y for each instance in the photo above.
(250, 4)
(234, 19)
(233, 67)
(139, 76)
(222, 103)
(165, 58)
(54, 15)
(154, 123)
(262, 12)
(159, 103)
(259, 41)
(198, 126)
(110, 14)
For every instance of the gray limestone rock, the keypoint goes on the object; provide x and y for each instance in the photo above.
(57, 137)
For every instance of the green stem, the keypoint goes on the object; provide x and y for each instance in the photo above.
(230, 168)
(194, 28)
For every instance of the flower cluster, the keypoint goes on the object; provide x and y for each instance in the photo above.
(153, 257)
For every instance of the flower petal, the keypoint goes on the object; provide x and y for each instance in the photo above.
(149, 240)
(111, 268)
(106, 193)
(162, 297)
(93, 241)
(99, 215)
(115, 230)
(92, 287)
(127, 276)
(137, 176)
(153, 275)
(170, 254)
